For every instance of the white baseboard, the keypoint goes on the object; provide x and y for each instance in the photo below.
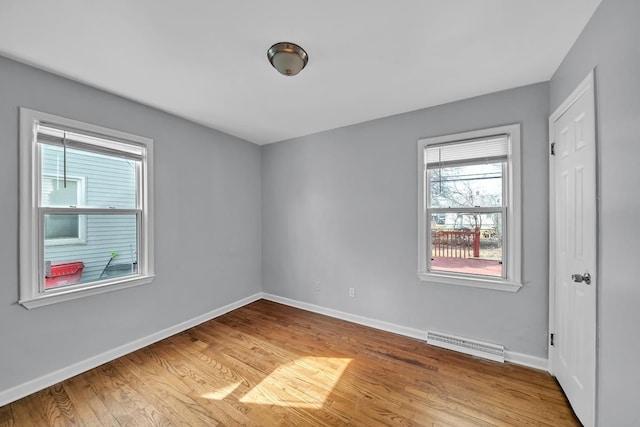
(37, 384)
(509, 356)
(361, 320)
(526, 360)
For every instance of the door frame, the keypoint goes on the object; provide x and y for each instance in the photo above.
(583, 87)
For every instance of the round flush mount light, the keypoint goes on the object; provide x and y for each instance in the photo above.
(288, 58)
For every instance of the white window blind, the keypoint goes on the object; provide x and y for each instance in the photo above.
(484, 150)
(83, 141)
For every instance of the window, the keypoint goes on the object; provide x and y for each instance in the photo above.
(86, 209)
(469, 209)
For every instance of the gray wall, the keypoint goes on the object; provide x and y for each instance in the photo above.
(610, 43)
(340, 208)
(207, 229)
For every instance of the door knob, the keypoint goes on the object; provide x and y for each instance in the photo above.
(578, 278)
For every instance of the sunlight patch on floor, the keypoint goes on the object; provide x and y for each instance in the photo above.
(222, 392)
(306, 382)
(303, 383)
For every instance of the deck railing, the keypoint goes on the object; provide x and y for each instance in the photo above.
(455, 244)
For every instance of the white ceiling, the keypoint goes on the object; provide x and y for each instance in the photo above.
(205, 60)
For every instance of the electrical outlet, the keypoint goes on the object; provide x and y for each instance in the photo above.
(352, 292)
(317, 286)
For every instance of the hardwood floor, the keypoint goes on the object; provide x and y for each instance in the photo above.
(268, 364)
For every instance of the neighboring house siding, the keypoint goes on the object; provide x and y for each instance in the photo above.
(107, 182)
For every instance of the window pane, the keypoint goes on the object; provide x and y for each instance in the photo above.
(110, 181)
(61, 227)
(54, 192)
(110, 251)
(467, 243)
(466, 186)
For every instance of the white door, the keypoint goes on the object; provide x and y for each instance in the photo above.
(575, 240)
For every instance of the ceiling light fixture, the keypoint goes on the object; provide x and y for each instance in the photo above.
(288, 58)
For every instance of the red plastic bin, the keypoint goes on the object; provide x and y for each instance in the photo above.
(63, 273)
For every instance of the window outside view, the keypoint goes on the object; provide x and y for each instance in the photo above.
(85, 247)
(466, 210)
(62, 229)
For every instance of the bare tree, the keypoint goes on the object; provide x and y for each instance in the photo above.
(460, 187)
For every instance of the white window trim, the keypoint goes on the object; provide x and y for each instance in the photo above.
(82, 223)
(513, 220)
(31, 240)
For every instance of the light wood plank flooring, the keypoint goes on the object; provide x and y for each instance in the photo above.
(268, 364)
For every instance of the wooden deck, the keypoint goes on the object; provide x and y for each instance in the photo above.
(266, 364)
(486, 267)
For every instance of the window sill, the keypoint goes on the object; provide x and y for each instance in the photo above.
(473, 282)
(71, 293)
(65, 242)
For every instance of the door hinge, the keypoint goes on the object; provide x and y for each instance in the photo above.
(553, 148)
(551, 337)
